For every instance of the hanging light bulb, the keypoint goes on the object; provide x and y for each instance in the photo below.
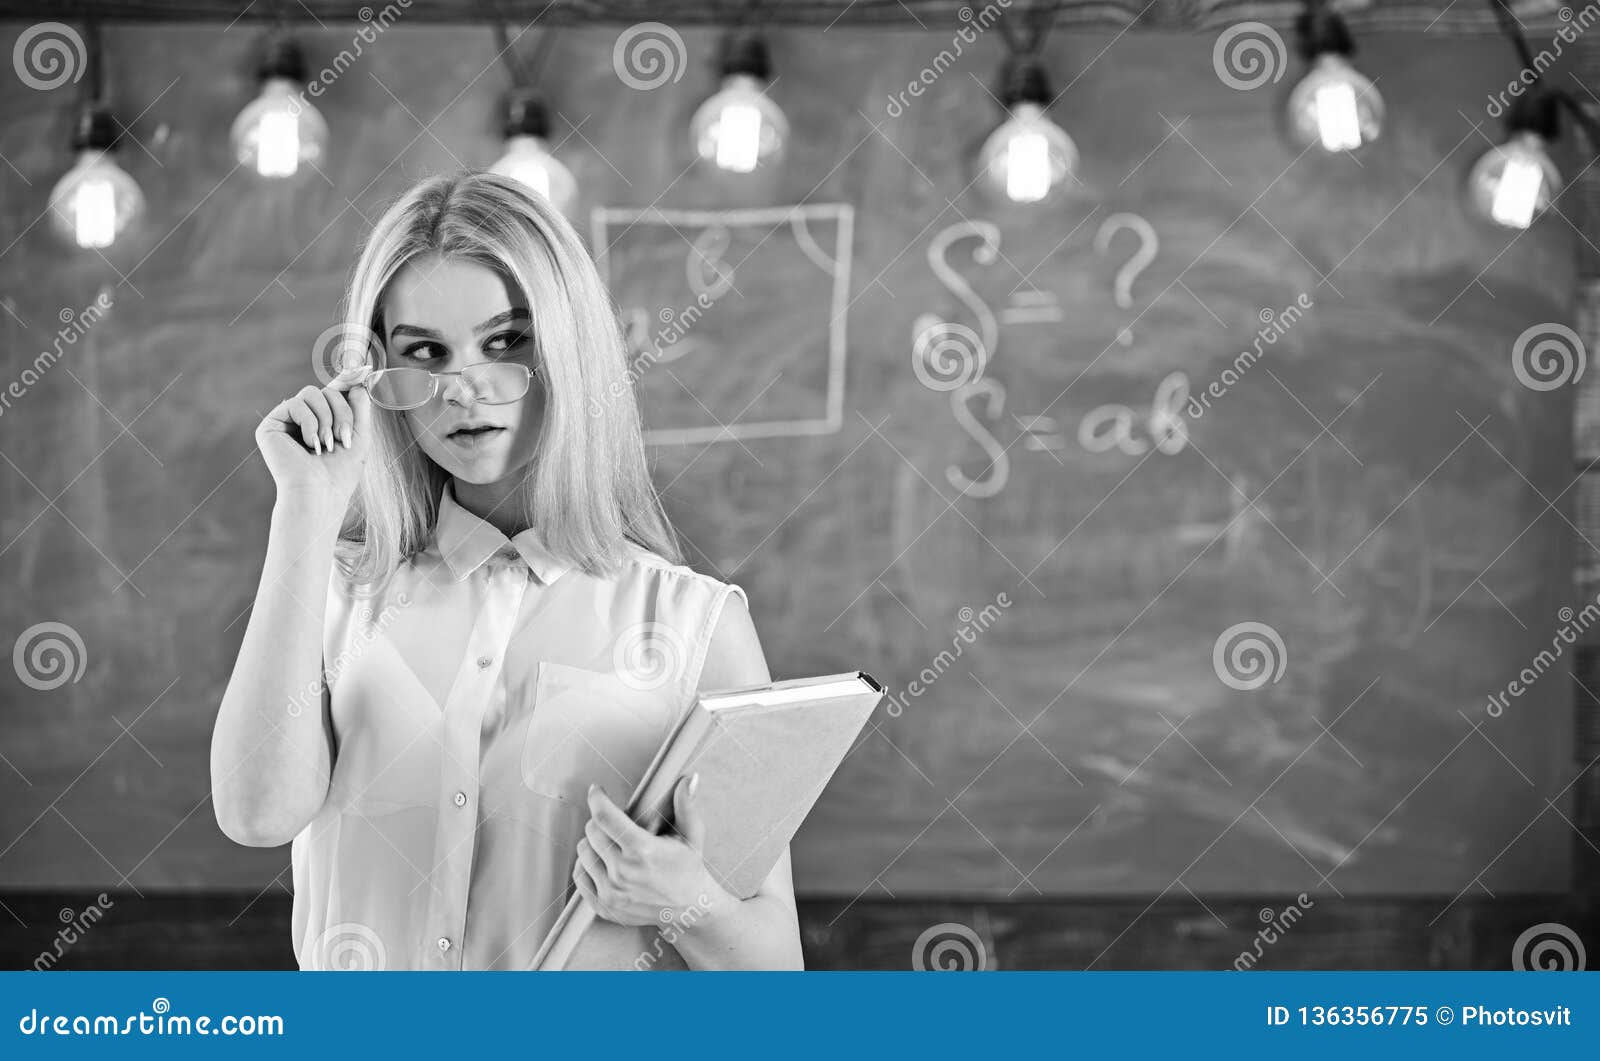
(528, 157)
(739, 128)
(1513, 183)
(1029, 158)
(96, 200)
(279, 130)
(1334, 107)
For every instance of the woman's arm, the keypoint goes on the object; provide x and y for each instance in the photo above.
(761, 932)
(271, 751)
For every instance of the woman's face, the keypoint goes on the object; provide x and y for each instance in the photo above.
(444, 315)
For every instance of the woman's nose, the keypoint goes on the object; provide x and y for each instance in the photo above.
(459, 391)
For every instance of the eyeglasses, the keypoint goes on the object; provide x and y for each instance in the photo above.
(492, 383)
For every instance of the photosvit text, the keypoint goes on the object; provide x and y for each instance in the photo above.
(1378, 1015)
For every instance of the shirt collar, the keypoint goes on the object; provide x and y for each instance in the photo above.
(467, 542)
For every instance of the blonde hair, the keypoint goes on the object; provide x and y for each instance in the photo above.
(588, 489)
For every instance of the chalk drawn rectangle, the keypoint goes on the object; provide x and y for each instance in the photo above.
(752, 342)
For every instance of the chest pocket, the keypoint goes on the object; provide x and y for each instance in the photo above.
(590, 727)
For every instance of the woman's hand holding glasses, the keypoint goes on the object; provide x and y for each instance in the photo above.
(316, 442)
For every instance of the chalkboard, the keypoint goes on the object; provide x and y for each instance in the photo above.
(768, 375)
(1247, 651)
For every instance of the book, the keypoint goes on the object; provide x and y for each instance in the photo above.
(764, 754)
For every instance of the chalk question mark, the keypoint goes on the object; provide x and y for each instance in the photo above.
(1148, 244)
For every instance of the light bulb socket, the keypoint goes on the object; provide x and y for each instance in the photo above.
(96, 129)
(283, 58)
(745, 52)
(1322, 31)
(526, 115)
(1537, 112)
(1023, 81)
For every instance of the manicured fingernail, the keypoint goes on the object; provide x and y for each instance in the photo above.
(316, 444)
(694, 782)
(344, 435)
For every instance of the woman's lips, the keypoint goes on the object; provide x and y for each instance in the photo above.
(470, 438)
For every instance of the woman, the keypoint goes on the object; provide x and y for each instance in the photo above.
(470, 569)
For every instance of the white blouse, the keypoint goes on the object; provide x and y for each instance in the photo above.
(473, 700)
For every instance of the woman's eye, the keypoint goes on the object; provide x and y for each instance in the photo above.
(425, 352)
(511, 341)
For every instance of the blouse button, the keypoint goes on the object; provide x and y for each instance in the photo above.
(444, 943)
(484, 661)
(461, 799)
